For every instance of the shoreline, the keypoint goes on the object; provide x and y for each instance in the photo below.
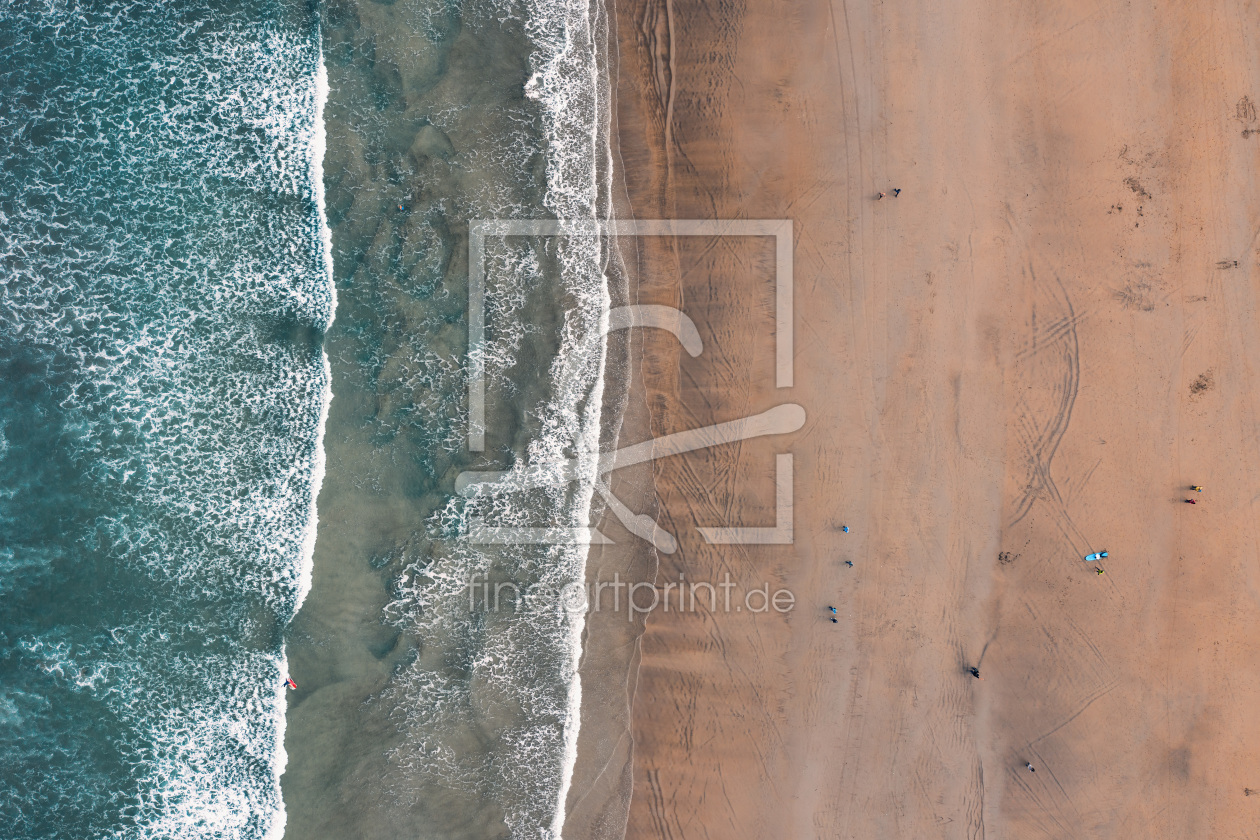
(597, 805)
(415, 712)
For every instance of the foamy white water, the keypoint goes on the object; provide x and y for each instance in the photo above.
(568, 84)
(318, 148)
(510, 681)
(165, 277)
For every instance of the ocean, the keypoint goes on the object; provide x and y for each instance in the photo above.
(164, 291)
(168, 360)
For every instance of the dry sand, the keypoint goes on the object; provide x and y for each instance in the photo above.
(1027, 356)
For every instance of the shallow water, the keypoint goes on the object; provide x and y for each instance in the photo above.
(421, 712)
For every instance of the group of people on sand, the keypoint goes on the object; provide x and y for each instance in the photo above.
(974, 670)
(848, 563)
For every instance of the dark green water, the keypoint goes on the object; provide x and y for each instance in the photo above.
(163, 295)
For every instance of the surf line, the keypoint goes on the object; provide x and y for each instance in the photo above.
(306, 560)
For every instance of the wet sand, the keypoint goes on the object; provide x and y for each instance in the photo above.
(1028, 355)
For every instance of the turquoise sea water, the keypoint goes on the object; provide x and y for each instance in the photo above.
(163, 296)
(167, 358)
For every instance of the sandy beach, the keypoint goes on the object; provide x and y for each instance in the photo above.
(884, 375)
(1027, 355)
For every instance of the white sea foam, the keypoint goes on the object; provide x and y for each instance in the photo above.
(147, 280)
(488, 712)
(566, 81)
(280, 757)
(318, 148)
(582, 71)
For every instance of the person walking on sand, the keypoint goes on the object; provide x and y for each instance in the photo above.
(1099, 572)
(896, 191)
(1031, 769)
(849, 563)
(975, 672)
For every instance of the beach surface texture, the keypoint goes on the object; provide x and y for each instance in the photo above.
(1026, 351)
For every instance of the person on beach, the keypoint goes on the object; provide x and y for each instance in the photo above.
(975, 672)
(1099, 572)
(834, 620)
(1191, 502)
(1031, 769)
(849, 563)
(833, 610)
(844, 528)
(896, 191)
(1198, 488)
(881, 197)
